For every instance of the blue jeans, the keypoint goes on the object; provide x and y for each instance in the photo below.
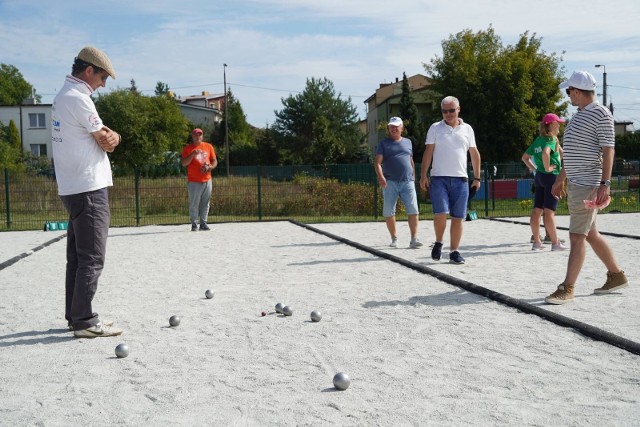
(199, 197)
(406, 190)
(449, 195)
(89, 217)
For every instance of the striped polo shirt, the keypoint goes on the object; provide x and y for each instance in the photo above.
(589, 130)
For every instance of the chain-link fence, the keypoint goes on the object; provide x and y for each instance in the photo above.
(306, 193)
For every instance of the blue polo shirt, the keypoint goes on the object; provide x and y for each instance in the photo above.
(396, 159)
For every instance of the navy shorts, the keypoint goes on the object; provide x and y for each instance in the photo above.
(543, 198)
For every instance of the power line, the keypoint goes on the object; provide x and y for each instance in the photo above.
(624, 87)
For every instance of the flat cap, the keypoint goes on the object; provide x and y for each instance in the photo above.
(95, 56)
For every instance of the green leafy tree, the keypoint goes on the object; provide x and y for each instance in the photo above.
(162, 89)
(13, 87)
(318, 127)
(149, 126)
(242, 144)
(133, 88)
(414, 129)
(503, 91)
(10, 150)
(628, 146)
(267, 146)
(14, 135)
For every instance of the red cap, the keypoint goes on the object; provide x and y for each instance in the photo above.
(199, 131)
(550, 118)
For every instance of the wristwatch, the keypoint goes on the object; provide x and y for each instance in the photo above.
(606, 183)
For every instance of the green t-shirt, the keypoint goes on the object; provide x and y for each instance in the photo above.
(535, 151)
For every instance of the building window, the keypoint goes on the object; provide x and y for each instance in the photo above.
(39, 150)
(36, 120)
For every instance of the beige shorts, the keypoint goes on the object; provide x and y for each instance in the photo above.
(581, 219)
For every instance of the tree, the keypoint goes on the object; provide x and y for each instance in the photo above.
(13, 87)
(162, 89)
(503, 91)
(10, 151)
(149, 126)
(628, 146)
(414, 129)
(267, 146)
(133, 88)
(241, 136)
(318, 127)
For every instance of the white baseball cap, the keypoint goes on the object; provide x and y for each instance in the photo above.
(580, 80)
(395, 121)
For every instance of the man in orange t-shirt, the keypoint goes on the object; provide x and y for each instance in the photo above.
(200, 159)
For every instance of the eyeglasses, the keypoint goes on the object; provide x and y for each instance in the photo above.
(450, 111)
(569, 89)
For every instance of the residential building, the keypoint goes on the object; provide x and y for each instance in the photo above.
(385, 103)
(34, 125)
(203, 110)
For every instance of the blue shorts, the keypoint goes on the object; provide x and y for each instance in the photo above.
(406, 190)
(449, 195)
(543, 198)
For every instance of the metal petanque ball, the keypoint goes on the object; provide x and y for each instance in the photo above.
(279, 307)
(287, 311)
(174, 320)
(316, 315)
(122, 350)
(208, 293)
(341, 381)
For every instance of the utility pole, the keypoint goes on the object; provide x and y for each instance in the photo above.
(604, 84)
(226, 121)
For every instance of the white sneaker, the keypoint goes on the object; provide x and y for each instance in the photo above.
(394, 242)
(98, 330)
(559, 247)
(415, 243)
(103, 322)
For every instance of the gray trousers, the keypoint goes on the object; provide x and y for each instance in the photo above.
(199, 197)
(89, 217)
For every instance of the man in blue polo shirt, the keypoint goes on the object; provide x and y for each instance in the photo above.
(396, 176)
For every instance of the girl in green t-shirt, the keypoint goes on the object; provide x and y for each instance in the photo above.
(544, 158)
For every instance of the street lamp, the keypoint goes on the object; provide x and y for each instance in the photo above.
(604, 84)
(226, 121)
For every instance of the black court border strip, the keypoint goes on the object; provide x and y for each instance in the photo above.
(558, 319)
(605, 233)
(17, 258)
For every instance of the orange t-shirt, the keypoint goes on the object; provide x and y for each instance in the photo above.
(194, 174)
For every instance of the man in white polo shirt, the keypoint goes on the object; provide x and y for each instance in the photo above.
(447, 144)
(80, 145)
(589, 141)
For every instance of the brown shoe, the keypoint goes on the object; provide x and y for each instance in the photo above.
(614, 282)
(562, 295)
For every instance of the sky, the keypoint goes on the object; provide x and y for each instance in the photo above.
(271, 47)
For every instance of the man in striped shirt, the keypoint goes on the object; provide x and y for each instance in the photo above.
(588, 159)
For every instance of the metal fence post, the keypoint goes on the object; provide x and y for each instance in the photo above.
(259, 170)
(137, 193)
(486, 190)
(375, 193)
(6, 196)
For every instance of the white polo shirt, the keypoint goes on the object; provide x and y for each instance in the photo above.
(451, 146)
(80, 164)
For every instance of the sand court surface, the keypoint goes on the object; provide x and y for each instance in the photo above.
(419, 351)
